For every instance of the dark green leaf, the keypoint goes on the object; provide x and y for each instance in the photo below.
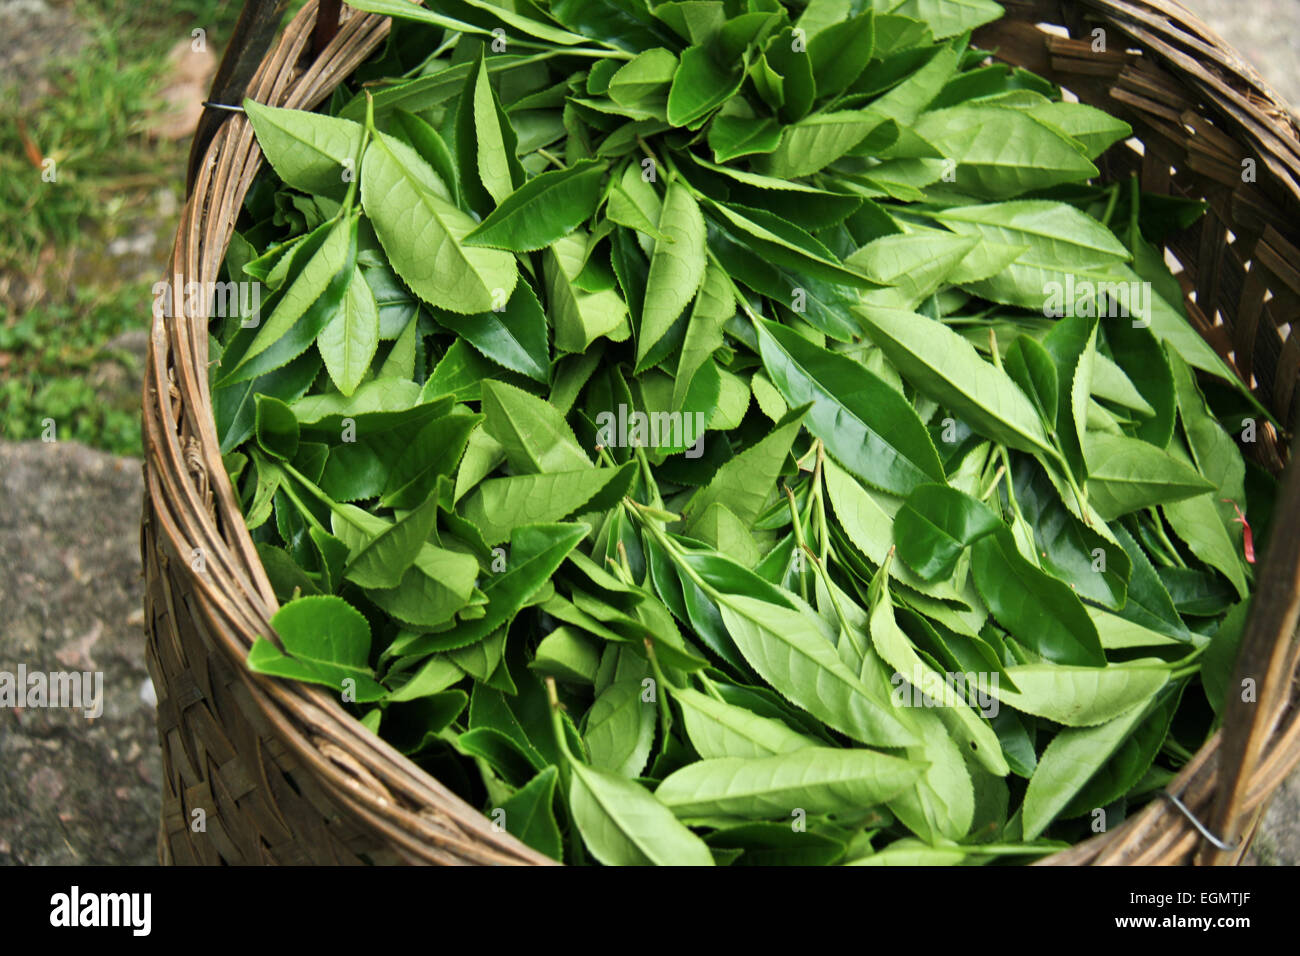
(1041, 612)
(546, 208)
(935, 525)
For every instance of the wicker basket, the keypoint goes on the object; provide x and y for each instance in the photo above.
(282, 774)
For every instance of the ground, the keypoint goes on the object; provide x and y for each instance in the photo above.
(75, 790)
(83, 84)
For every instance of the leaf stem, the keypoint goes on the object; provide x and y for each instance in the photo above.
(557, 724)
(652, 487)
(306, 512)
(1009, 484)
(823, 532)
(661, 690)
(643, 515)
(993, 348)
(316, 493)
(993, 485)
(1110, 205)
(443, 47)
(1187, 671)
(824, 574)
(735, 289)
(800, 543)
(1080, 495)
(366, 133)
(563, 766)
(624, 564)
(606, 51)
(550, 158)
(710, 688)
(1159, 525)
(1176, 750)
(309, 485)
(647, 150)
(808, 506)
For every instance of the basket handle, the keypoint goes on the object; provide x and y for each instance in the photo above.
(254, 31)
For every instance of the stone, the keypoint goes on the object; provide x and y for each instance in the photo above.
(75, 790)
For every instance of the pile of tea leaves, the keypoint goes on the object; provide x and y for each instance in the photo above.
(737, 432)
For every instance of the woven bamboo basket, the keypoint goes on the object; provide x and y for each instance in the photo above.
(282, 774)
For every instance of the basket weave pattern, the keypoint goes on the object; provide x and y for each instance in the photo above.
(282, 774)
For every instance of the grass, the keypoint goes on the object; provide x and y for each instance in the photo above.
(62, 297)
(56, 364)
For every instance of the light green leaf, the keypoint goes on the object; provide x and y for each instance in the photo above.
(309, 285)
(531, 431)
(868, 520)
(381, 561)
(326, 641)
(624, 825)
(645, 75)
(1126, 474)
(815, 779)
(947, 18)
(676, 267)
(1001, 153)
(1082, 696)
(719, 729)
(498, 167)
(913, 266)
(308, 151)
(945, 367)
(719, 528)
(433, 677)
(789, 651)
(348, 341)
(422, 232)
(1055, 239)
(580, 317)
(566, 654)
(1095, 129)
(528, 814)
(714, 305)
(400, 361)
(745, 483)
(501, 504)
(1069, 761)
(974, 734)
(620, 728)
(940, 804)
(816, 142)
(699, 86)
(543, 210)
(525, 25)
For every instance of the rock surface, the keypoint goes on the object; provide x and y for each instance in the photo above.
(75, 790)
(1278, 841)
(1265, 36)
(35, 33)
